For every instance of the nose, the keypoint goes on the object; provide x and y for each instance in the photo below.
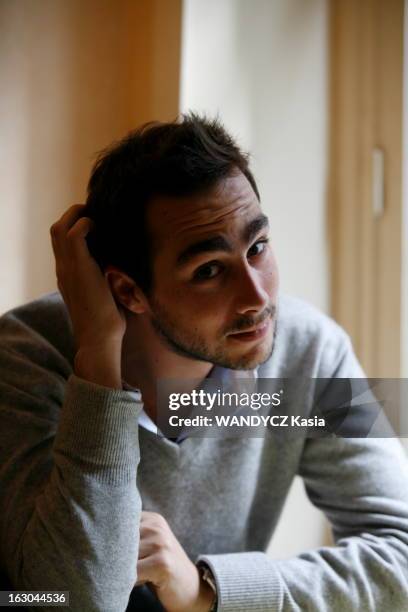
(252, 296)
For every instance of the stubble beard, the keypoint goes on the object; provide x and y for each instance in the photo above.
(194, 347)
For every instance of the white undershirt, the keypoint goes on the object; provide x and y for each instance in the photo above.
(224, 374)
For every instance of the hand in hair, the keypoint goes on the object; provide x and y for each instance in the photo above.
(98, 321)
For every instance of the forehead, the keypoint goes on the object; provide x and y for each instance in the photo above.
(174, 222)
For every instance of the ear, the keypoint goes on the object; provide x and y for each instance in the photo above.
(125, 290)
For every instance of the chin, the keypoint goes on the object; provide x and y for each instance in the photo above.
(252, 359)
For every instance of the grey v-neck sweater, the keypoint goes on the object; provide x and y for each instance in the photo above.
(76, 470)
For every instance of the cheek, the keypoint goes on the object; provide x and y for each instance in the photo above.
(172, 295)
(202, 311)
(271, 274)
(202, 302)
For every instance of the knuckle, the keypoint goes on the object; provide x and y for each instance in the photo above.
(73, 210)
(159, 520)
(53, 229)
(166, 543)
(71, 236)
(161, 527)
(156, 547)
(163, 562)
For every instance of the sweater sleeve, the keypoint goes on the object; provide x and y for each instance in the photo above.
(361, 485)
(69, 453)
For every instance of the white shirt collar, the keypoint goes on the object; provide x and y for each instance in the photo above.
(226, 375)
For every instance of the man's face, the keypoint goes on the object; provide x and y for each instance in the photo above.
(214, 274)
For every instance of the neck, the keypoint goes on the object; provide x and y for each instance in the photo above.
(146, 360)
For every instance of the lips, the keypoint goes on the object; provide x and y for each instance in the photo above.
(253, 333)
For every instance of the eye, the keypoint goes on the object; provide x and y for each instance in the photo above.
(258, 247)
(207, 271)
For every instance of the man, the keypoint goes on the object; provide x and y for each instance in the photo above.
(168, 273)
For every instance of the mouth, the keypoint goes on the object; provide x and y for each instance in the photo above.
(255, 333)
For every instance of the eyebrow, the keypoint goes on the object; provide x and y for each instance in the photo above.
(219, 243)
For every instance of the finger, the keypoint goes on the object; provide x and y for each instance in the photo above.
(69, 217)
(80, 228)
(76, 243)
(148, 546)
(150, 528)
(147, 514)
(70, 246)
(149, 570)
(153, 518)
(59, 229)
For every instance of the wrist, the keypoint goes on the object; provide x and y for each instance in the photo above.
(100, 365)
(207, 599)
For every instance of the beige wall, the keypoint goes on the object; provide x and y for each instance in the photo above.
(404, 225)
(74, 76)
(262, 65)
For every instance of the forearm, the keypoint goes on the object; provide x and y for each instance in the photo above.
(358, 575)
(361, 485)
(82, 520)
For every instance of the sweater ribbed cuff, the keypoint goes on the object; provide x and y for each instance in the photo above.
(98, 431)
(245, 581)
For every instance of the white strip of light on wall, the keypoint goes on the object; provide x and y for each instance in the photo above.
(378, 182)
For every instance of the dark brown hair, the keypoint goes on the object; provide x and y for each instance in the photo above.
(178, 158)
